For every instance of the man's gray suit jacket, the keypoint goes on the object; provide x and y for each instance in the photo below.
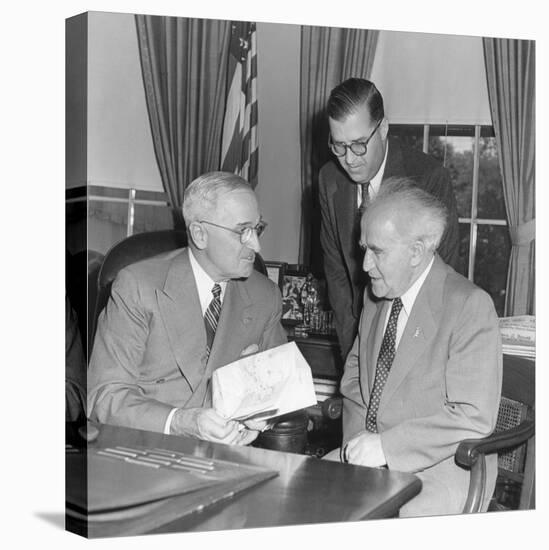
(444, 386)
(149, 353)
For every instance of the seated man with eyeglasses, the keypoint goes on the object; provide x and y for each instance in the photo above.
(364, 158)
(173, 319)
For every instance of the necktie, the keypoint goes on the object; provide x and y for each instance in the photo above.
(211, 317)
(356, 227)
(365, 197)
(384, 362)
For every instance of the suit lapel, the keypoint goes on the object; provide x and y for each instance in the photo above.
(395, 162)
(376, 336)
(345, 207)
(420, 330)
(180, 309)
(372, 345)
(235, 319)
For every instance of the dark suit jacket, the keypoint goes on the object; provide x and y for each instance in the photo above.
(149, 350)
(339, 232)
(444, 386)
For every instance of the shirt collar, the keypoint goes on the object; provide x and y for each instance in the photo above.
(204, 283)
(409, 297)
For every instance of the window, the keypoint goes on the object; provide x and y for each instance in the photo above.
(111, 214)
(470, 155)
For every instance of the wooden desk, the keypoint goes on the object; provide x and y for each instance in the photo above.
(307, 490)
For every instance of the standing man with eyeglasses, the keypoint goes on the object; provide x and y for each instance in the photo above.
(364, 158)
(173, 319)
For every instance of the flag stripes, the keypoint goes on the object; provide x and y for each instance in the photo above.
(239, 149)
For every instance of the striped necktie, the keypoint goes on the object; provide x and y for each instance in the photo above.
(384, 362)
(211, 317)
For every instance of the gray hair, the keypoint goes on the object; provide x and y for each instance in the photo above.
(417, 215)
(202, 194)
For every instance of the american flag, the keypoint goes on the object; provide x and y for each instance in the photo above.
(239, 150)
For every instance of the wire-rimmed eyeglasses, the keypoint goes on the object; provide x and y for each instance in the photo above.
(245, 233)
(358, 148)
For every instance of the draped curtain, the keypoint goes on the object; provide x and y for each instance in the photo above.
(184, 64)
(328, 56)
(510, 71)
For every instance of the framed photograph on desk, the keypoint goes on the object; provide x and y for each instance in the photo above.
(292, 308)
(275, 272)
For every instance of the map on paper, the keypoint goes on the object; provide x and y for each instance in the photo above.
(264, 385)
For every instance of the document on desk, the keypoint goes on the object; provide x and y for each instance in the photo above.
(271, 383)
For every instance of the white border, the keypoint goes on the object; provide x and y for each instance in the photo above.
(33, 278)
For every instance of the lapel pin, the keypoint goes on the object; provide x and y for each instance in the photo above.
(417, 332)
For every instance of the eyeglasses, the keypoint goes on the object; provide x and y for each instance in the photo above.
(245, 233)
(358, 148)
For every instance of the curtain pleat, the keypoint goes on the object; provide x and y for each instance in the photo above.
(328, 56)
(510, 72)
(184, 65)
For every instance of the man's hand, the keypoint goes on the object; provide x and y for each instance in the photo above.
(246, 435)
(365, 450)
(205, 424)
(257, 425)
(250, 429)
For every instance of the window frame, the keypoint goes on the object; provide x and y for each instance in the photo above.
(458, 130)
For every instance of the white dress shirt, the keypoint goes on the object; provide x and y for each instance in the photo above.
(204, 285)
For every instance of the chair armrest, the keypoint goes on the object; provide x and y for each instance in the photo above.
(469, 450)
(471, 453)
